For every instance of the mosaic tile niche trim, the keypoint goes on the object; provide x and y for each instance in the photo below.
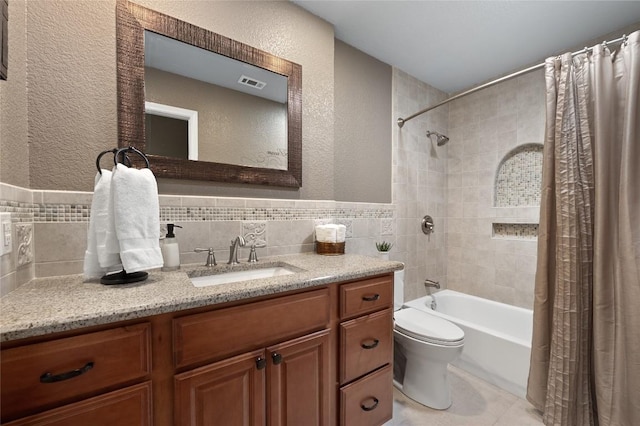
(519, 177)
(516, 231)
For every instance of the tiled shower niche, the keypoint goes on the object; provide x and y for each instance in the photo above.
(519, 177)
(517, 185)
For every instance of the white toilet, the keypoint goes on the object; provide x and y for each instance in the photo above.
(424, 346)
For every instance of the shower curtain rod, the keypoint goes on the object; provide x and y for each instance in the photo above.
(401, 121)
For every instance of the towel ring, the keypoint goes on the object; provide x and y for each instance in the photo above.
(128, 149)
(127, 160)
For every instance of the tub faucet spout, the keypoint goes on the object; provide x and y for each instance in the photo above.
(431, 283)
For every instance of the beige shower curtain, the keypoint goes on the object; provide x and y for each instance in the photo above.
(585, 358)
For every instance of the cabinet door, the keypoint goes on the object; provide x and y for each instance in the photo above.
(299, 383)
(229, 392)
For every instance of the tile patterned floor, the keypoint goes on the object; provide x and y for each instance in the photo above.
(475, 403)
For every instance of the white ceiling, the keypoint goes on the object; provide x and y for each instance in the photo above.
(454, 45)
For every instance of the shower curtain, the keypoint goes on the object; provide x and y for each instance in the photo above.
(585, 356)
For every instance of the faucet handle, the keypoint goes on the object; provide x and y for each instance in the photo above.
(253, 257)
(211, 257)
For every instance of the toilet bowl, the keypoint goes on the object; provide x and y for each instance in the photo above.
(424, 346)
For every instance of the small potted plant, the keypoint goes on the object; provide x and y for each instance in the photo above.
(383, 249)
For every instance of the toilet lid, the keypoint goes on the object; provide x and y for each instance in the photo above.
(428, 328)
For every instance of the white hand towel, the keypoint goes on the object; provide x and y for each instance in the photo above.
(341, 233)
(326, 233)
(136, 218)
(96, 259)
(92, 267)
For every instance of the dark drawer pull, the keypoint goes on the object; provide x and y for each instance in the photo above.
(371, 346)
(50, 378)
(371, 298)
(372, 407)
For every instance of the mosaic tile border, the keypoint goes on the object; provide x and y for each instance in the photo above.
(518, 231)
(191, 214)
(29, 212)
(20, 212)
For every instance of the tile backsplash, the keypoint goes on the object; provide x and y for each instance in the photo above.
(50, 228)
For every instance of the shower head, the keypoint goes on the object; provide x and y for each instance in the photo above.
(440, 138)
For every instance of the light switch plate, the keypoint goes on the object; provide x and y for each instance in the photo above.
(6, 242)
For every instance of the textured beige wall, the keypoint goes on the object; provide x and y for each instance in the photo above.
(72, 86)
(14, 148)
(362, 126)
(71, 90)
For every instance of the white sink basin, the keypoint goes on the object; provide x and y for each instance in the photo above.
(236, 276)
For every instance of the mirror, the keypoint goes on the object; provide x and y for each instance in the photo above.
(217, 142)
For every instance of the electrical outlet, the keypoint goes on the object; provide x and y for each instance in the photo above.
(6, 243)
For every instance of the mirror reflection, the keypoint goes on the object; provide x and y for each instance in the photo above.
(250, 135)
(204, 106)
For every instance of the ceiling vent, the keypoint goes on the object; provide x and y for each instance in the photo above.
(252, 82)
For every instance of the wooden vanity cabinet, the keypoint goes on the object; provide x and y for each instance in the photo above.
(290, 359)
(285, 383)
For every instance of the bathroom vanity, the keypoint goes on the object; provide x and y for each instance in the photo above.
(313, 347)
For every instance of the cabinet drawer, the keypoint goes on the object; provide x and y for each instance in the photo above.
(126, 407)
(47, 374)
(365, 296)
(205, 337)
(368, 401)
(366, 343)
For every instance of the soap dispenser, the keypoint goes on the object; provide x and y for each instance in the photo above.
(170, 249)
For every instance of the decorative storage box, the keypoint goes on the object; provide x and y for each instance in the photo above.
(330, 249)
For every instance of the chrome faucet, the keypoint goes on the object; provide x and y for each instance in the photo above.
(431, 283)
(233, 250)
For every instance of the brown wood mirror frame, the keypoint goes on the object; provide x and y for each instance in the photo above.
(131, 22)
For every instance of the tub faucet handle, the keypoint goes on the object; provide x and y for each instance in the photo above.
(431, 283)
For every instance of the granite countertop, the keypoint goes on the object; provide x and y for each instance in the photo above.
(55, 304)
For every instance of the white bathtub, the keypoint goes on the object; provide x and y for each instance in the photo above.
(497, 337)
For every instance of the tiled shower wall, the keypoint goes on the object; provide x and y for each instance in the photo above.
(60, 222)
(419, 183)
(484, 128)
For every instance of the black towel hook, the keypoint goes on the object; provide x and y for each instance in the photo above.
(129, 149)
(127, 160)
